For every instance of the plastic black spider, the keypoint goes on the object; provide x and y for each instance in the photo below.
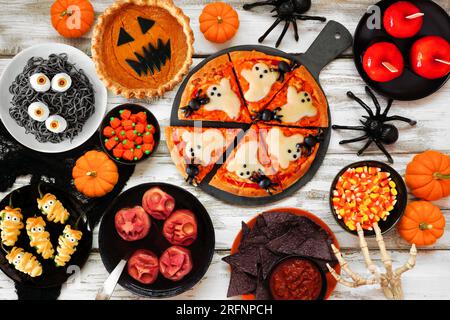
(374, 126)
(192, 170)
(195, 104)
(309, 143)
(286, 10)
(268, 115)
(263, 181)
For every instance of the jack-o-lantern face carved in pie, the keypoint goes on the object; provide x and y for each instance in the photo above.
(138, 51)
(142, 48)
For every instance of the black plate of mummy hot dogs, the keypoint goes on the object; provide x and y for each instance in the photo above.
(164, 233)
(44, 236)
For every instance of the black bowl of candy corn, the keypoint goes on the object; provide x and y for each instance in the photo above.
(129, 134)
(368, 192)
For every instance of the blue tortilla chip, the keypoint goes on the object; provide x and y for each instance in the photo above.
(286, 243)
(245, 260)
(267, 260)
(240, 283)
(262, 288)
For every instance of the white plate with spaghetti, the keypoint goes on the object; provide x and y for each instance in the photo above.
(52, 100)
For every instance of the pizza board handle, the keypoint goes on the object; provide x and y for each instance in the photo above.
(333, 40)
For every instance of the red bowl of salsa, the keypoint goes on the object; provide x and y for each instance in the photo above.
(297, 278)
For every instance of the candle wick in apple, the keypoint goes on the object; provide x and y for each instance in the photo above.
(443, 61)
(415, 15)
(390, 67)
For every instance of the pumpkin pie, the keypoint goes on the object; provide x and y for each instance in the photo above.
(142, 48)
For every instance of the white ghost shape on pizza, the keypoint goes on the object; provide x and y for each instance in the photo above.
(284, 149)
(201, 145)
(298, 106)
(223, 98)
(261, 79)
(245, 161)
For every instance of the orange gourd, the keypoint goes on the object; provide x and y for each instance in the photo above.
(428, 175)
(72, 18)
(219, 22)
(95, 174)
(422, 223)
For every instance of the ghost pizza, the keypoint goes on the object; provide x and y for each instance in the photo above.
(142, 48)
(195, 151)
(247, 124)
(213, 94)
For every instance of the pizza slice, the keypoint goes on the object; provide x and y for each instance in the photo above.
(248, 171)
(259, 77)
(196, 150)
(212, 93)
(301, 102)
(291, 151)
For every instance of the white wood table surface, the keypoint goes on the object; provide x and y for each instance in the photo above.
(25, 23)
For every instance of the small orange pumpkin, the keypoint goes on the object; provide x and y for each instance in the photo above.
(72, 18)
(428, 175)
(95, 174)
(422, 224)
(219, 22)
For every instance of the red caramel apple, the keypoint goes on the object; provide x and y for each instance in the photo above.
(143, 266)
(402, 19)
(132, 223)
(158, 203)
(181, 228)
(175, 263)
(383, 62)
(430, 57)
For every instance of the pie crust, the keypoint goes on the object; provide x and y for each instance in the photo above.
(123, 80)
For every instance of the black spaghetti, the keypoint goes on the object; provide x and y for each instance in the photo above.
(76, 105)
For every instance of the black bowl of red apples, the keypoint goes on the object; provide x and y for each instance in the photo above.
(402, 49)
(164, 233)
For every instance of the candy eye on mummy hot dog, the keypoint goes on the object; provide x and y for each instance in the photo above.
(67, 245)
(10, 225)
(39, 238)
(24, 262)
(51, 207)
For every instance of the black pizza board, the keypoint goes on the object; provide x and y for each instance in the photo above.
(408, 86)
(113, 248)
(332, 41)
(26, 199)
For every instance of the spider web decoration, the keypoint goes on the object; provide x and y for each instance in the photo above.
(152, 59)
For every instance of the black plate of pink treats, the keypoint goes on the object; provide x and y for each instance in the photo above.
(166, 235)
